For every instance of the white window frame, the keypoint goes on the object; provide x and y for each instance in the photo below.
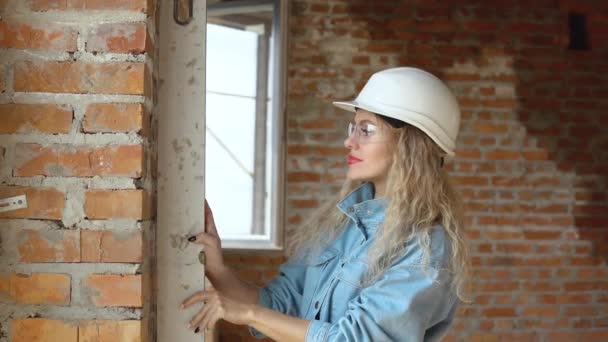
(277, 136)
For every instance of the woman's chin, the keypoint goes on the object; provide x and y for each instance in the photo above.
(356, 177)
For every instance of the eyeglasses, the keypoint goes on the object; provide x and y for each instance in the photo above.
(363, 131)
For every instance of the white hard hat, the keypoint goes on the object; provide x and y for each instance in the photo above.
(413, 96)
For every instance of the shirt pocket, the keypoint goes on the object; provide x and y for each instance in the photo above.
(316, 276)
(347, 286)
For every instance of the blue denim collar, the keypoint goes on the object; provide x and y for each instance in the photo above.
(361, 206)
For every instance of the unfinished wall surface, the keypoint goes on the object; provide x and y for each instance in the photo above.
(532, 158)
(75, 82)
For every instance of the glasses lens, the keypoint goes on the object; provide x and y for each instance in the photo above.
(368, 129)
(351, 129)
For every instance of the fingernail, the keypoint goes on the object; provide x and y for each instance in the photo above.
(192, 238)
(197, 330)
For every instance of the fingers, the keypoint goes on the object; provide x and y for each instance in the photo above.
(199, 318)
(209, 237)
(212, 311)
(214, 314)
(209, 220)
(204, 239)
(197, 297)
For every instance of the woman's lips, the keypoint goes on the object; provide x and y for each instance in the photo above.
(353, 160)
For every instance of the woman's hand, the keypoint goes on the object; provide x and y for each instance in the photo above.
(217, 306)
(214, 261)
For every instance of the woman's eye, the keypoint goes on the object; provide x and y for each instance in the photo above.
(368, 130)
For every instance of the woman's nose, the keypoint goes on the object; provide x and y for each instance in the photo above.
(350, 142)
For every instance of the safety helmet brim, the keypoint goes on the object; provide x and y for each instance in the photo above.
(422, 122)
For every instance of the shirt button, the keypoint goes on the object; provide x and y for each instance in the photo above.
(316, 305)
(351, 210)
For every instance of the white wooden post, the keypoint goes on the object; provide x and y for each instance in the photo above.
(181, 168)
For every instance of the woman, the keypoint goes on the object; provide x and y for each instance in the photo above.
(387, 263)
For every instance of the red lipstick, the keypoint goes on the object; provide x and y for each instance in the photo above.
(353, 160)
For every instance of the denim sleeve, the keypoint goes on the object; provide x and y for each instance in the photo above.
(398, 307)
(283, 293)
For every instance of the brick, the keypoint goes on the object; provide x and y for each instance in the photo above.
(364, 60)
(108, 246)
(542, 311)
(507, 181)
(2, 79)
(480, 25)
(531, 27)
(115, 290)
(40, 288)
(109, 331)
(80, 77)
(43, 330)
(472, 153)
(500, 287)
(62, 5)
(513, 248)
(304, 204)
(542, 234)
(30, 118)
(592, 222)
(15, 35)
(49, 245)
(499, 312)
(319, 7)
(42, 203)
(503, 155)
(78, 161)
(113, 117)
(590, 209)
(489, 128)
(303, 177)
(437, 26)
(118, 38)
(111, 204)
(536, 155)
(471, 180)
(5, 286)
(319, 124)
(318, 150)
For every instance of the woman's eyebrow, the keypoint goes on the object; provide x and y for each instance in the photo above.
(366, 121)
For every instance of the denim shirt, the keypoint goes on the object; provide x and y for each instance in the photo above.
(408, 302)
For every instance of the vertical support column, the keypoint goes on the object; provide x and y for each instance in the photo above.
(181, 167)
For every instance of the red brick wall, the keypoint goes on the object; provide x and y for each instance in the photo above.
(75, 90)
(532, 160)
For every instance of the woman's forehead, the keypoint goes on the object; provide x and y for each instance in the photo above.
(362, 114)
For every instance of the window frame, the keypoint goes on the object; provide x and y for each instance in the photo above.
(278, 53)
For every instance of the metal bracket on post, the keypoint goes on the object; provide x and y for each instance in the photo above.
(178, 7)
(13, 203)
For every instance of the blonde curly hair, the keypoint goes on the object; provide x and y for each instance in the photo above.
(419, 196)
